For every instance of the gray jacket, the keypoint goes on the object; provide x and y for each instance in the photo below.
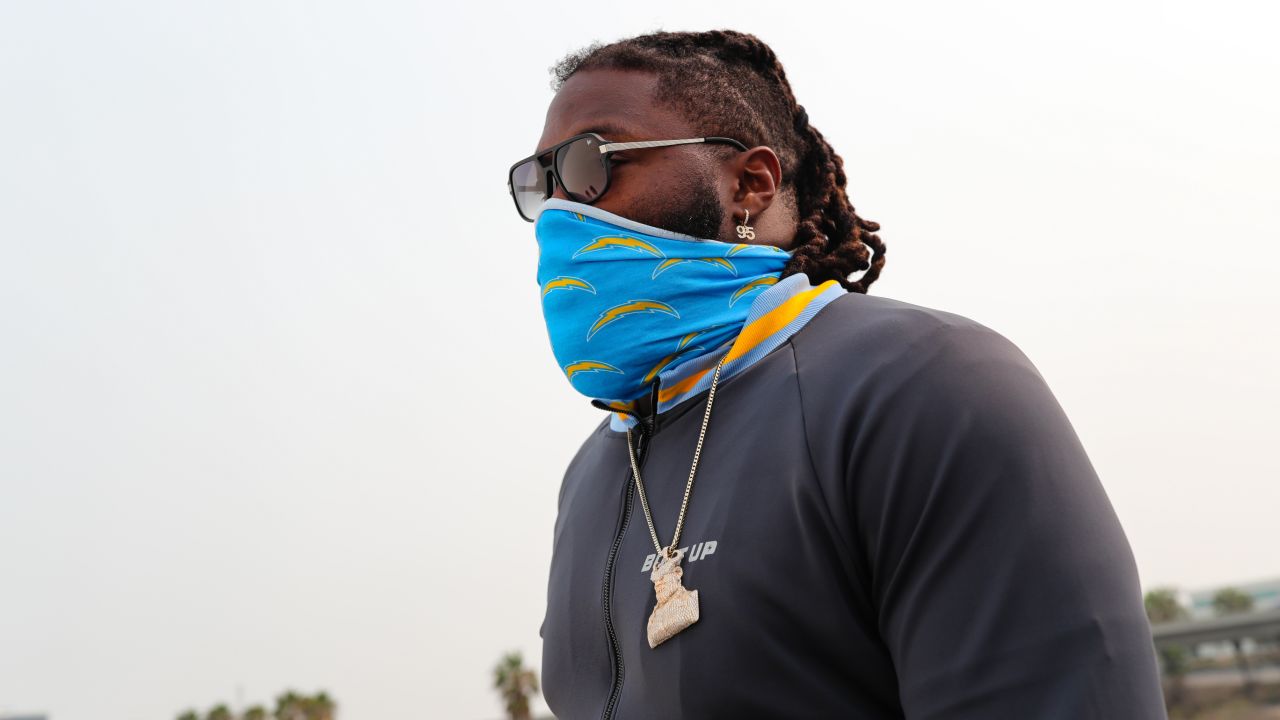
(892, 517)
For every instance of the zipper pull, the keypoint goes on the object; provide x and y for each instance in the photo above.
(605, 406)
(648, 425)
(653, 406)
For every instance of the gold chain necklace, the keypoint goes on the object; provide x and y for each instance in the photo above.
(677, 607)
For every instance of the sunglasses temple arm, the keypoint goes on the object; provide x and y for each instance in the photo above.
(639, 144)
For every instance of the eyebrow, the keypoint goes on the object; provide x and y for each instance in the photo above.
(604, 129)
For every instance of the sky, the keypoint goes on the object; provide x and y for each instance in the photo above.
(278, 407)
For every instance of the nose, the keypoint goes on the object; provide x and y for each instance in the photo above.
(556, 190)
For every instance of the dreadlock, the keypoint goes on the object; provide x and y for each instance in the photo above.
(700, 74)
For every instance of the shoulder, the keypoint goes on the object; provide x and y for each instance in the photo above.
(878, 325)
(883, 339)
(908, 376)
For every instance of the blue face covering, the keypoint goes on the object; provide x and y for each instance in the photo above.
(623, 300)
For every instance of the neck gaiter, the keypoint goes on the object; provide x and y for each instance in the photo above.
(623, 300)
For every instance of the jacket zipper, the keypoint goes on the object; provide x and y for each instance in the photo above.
(642, 445)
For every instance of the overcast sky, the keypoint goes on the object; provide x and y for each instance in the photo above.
(277, 404)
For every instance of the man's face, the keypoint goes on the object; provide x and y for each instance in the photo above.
(675, 188)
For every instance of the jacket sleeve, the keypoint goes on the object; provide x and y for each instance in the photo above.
(1002, 581)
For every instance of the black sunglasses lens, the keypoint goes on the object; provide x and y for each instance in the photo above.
(529, 186)
(582, 168)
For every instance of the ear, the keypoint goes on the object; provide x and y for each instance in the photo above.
(758, 177)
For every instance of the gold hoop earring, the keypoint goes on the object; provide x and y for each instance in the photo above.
(745, 231)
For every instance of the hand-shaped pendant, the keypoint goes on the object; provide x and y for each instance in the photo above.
(677, 607)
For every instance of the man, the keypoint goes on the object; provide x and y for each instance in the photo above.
(893, 516)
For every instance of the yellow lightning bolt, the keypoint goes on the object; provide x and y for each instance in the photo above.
(603, 243)
(583, 366)
(648, 377)
(666, 264)
(630, 308)
(757, 283)
(685, 340)
(567, 282)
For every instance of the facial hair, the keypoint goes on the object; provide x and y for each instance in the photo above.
(691, 207)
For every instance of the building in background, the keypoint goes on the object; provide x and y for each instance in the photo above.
(1265, 594)
(1208, 634)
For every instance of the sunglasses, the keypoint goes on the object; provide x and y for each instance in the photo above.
(581, 166)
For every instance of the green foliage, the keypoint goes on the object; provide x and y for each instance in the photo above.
(1230, 601)
(515, 684)
(1174, 659)
(1162, 606)
(290, 705)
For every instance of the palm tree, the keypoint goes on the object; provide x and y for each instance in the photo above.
(322, 707)
(294, 706)
(1230, 601)
(515, 684)
(290, 706)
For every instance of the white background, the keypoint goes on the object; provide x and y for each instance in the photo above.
(277, 406)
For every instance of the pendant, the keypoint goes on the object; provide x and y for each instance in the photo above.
(677, 607)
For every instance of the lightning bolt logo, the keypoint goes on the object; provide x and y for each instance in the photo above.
(689, 338)
(567, 282)
(754, 284)
(668, 264)
(631, 307)
(587, 366)
(682, 348)
(743, 246)
(695, 334)
(633, 244)
(649, 376)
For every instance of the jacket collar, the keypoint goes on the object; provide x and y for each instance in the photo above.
(775, 315)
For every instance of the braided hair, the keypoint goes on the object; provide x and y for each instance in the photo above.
(731, 84)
